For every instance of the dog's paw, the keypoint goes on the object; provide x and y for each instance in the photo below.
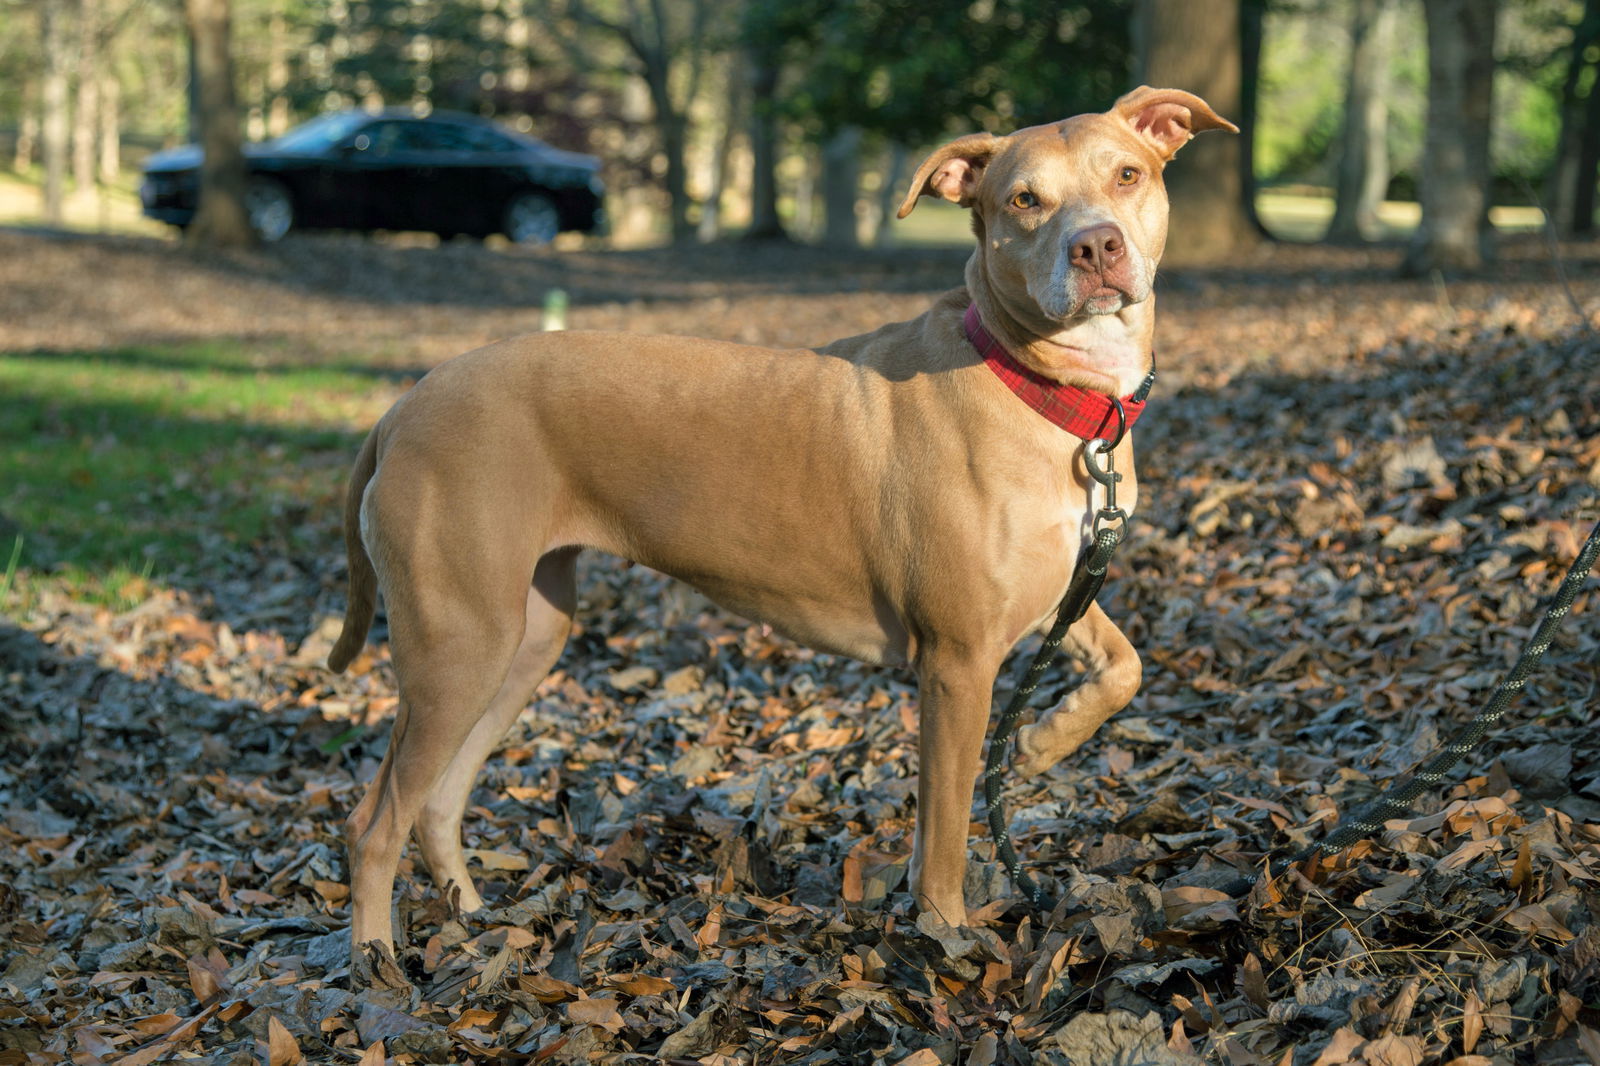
(954, 940)
(374, 969)
(1037, 751)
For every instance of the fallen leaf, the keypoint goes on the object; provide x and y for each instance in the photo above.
(600, 1012)
(282, 1048)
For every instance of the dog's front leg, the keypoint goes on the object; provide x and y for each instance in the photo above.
(1112, 671)
(955, 692)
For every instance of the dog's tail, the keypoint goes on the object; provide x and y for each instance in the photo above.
(363, 596)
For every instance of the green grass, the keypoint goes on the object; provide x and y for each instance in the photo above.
(107, 209)
(121, 466)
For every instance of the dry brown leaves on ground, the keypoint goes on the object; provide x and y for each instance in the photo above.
(694, 842)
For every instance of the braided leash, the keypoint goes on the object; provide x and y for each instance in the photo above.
(1366, 822)
(1090, 574)
(1397, 800)
(1086, 582)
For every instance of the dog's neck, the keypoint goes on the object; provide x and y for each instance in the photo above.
(1110, 354)
(1084, 413)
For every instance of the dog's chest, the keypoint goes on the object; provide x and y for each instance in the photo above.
(1039, 535)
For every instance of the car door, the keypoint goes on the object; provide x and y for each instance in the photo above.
(403, 171)
(333, 187)
(482, 177)
(446, 199)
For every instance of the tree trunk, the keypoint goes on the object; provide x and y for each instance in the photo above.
(764, 221)
(27, 128)
(674, 142)
(1252, 33)
(1363, 175)
(55, 122)
(86, 115)
(1583, 189)
(220, 221)
(805, 196)
(277, 75)
(673, 127)
(1455, 231)
(1195, 46)
(1566, 173)
(841, 185)
(732, 118)
(192, 97)
(890, 194)
(110, 164)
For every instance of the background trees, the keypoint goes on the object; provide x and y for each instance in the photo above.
(220, 221)
(1362, 178)
(800, 117)
(1198, 47)
(1455, 230)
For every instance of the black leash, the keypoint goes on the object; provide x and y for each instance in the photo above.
(1397, 800)
(1089, 575)
(1087, 579)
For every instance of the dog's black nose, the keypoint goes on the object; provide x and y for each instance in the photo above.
(1098, 248)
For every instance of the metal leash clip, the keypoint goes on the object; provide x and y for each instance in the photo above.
(1100, 450)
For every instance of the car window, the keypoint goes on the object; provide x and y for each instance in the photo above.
(484, 139)
(322, 132)
(386, 138)
(447, 137)
(459, 137)
(391, 136)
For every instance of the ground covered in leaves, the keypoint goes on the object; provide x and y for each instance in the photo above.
(1356, 492)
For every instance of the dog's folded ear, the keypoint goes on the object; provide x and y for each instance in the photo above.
(1168, 118)
(952, 172)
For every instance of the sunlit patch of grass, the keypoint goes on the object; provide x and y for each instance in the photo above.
(110, 208)
(121, 465)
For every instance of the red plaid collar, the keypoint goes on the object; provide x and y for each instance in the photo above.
(1084, 413)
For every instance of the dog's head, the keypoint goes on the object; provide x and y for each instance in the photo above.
(1073, 214)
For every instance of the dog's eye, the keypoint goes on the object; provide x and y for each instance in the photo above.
(1024, 200)
(1127, 176)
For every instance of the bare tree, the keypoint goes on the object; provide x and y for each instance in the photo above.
(27, 127)
(733, 120)
(764, 221)
(1186, 45)
(55, 118)
(221, 220)
(841, 186)
(277, 74)
(1252, 39)
(86, 113)
(1569, 191)
(1455, 230)
(110, 162)
(1363, 174)
(667, 42)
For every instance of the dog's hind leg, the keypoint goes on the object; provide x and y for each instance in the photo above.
(454, 633)
(548, 619)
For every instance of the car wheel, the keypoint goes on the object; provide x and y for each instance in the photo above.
(532, 219)
(269, 208)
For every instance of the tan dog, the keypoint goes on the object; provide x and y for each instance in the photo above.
(887, 497)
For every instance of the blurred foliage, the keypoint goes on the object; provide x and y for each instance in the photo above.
(905, 71)
(1303, 75)
(913, 72)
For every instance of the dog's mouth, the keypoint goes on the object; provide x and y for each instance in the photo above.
(1086, 295)
(1105, 300)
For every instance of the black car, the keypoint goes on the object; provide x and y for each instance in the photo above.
(445, 173)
